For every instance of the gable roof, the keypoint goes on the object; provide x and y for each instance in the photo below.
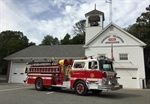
(112, 24)
(95, 12)
(48, 51)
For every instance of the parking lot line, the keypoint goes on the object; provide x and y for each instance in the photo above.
(14, 89)
(49, 92)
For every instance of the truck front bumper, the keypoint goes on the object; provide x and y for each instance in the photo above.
(110, 87)
(96, 86)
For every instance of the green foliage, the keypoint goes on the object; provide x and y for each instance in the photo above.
(78, 39)
(50, 40)
(79, 34)
(11, 42)
(31, 43)
(66, 39)
(141, 29)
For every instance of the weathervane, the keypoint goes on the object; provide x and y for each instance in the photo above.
(110, 10)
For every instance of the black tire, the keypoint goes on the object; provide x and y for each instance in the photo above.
(80, 88)
(39, 85)
(96, 92)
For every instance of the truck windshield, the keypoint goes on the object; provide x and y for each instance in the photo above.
(105, 65)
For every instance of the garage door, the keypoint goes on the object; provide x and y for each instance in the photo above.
(128, 78)
(17, 73)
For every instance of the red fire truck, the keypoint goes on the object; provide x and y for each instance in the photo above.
(83, 75)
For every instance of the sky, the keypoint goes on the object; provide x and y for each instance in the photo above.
(38, 18)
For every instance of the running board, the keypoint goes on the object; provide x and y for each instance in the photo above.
(66, 84)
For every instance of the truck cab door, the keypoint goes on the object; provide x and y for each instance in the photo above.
(92, 71)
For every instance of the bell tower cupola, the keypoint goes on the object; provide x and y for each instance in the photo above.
(94, 23)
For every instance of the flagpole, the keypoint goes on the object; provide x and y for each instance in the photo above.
(112, 54)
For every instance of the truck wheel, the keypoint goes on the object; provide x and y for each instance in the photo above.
(39, 85)
(81, 88)
(96, 92)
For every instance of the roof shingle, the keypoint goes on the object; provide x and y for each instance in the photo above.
(50, 51)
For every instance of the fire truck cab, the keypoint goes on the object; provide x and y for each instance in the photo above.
(83, 75)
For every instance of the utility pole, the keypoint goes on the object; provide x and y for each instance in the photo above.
(110, 10)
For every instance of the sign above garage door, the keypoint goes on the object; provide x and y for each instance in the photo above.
(112, 39)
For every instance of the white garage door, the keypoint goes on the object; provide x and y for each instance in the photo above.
(17, 73)
(128, 78)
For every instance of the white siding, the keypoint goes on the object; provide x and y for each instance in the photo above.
(125, 44)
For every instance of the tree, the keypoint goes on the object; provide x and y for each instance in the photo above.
(78, 34)
(50, 40)
(78, 39)
(31, 43)
(66, 39)
(79, 28)
(11, 42)
(141, 29)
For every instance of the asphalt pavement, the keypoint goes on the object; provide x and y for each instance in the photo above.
(26, 94)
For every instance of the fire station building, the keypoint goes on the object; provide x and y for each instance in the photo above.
(111, 41)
